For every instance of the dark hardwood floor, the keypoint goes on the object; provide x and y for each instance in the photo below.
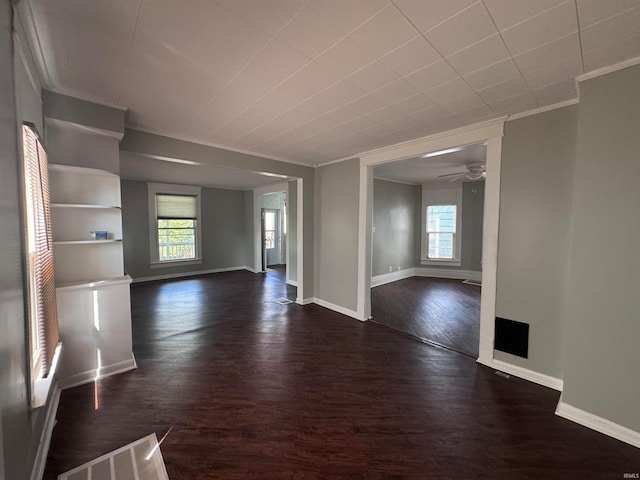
(438, 310)
(253, 389)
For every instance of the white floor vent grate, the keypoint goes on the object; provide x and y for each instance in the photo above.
(140, 460)
(283, 301)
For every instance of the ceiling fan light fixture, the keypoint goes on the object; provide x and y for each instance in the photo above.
(475, 175)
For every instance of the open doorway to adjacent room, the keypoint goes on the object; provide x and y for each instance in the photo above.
(276, 250)
(427, 246)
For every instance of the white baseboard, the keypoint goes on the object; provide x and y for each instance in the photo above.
(189, 274)
(392, 277)
(598, 424)
(304, 301)
(337, 308)
(447, 273)
(45, 437)
(525, 373)
(293, 283)
(89, 376)
(250, 269)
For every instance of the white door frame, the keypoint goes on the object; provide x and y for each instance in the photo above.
(257, 206)
(490, 132)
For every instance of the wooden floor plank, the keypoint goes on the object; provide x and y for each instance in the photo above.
(438, 310)
(254, 389)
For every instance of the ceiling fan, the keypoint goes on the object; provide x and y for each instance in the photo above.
(475, 171)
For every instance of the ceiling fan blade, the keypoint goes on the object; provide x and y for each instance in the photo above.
(452, 174)
(455, 178)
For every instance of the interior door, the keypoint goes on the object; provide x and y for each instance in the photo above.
(271, 236)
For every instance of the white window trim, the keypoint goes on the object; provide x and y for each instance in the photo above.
(154, 189)
(456, 261)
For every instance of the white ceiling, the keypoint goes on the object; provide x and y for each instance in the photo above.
(138, 167)
(420, 171)
(311, 81)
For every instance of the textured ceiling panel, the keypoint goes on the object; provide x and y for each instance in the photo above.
(311, 81)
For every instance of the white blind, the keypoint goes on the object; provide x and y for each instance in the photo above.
(39, 248)
(176, 206)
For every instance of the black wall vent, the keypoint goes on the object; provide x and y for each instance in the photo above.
(512, 337)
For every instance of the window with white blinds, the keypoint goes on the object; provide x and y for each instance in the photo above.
(39, 275)
(174, 224)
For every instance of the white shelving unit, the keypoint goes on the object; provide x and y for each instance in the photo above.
(94, 312)
(82, 200)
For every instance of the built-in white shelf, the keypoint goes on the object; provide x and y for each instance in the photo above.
(82, 205)
(94, 283)
(86, 242)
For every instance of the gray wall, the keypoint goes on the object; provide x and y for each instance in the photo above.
(292, 230)
(336, 243)
(248, 228)
(538, 157)
(150, 144)
(394, 221)
(223, 231)
(472, 212)
(472, 223)
(20, 427)
(602, 371)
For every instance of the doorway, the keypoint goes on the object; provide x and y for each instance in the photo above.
(427, 246)
(490, 132)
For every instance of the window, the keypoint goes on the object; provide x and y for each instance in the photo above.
(39, 275)
(174, 213)
(441, 232)
(269, 229)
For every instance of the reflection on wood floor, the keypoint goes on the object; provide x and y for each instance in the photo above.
(439, 310)
(253, 389)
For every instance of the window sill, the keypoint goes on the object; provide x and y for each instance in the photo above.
(176, 263)
(444, 263)
(42, 386)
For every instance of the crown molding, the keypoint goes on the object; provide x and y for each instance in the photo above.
(24, 13)
(546, 108)
(609, 69)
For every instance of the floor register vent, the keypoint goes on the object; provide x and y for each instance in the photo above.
(140, 460)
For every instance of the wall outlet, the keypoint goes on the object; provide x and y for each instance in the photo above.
(398, 267)
(390, 269)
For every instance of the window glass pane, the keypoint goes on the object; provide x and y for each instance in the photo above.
(270, 220)
(176, 239)
(269, 237)
(440, 245)
(441, 218)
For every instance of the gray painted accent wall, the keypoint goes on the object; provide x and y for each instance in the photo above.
(336, 242)
(602, 366)
(223, 231)
(20, 427)
(394, 223)
(538, 164)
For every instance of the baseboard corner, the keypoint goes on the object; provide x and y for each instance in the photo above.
(526, 374)
(597, 423)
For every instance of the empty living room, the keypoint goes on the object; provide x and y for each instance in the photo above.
(319, 239)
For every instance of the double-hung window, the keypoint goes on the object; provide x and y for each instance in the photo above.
(41, 307)
(441, 232)
(174, 224)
